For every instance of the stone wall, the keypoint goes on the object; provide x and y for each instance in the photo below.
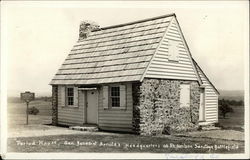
(136, 111)
(195, 102)
(159, 107)
(54, 105)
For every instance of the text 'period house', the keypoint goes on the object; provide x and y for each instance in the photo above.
(136, 77)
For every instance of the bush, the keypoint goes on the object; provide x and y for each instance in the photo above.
(231, 102)
(33, 111)
(166, 130)
(217, 125)
(224, 108)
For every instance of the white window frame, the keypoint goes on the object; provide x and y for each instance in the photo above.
(110, 96)
(66, 96)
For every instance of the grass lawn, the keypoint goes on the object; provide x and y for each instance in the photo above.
(123, 143)
(17, 113)
(233, 120)
(108, 142)
(45, 108)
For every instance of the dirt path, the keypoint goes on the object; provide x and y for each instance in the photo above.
(37, 130)
(126, 143)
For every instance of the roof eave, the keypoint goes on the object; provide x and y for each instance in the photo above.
(206, 77)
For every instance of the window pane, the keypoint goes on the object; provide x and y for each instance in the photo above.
(70, 92)
(70, 101)
(115, 102)
(115, 91)
(115, 96)
(70, 96)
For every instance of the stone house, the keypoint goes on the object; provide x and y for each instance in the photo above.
(136, 77)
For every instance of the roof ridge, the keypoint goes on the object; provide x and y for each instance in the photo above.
(134, 22)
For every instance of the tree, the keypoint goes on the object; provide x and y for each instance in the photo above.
(225, 108)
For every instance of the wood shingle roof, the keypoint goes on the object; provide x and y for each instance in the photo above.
(113, 54)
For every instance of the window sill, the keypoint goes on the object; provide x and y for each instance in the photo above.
(70, 106)
(118, 108)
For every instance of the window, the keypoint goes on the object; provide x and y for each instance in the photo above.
(70, 96)
(173, 50)
(185, 95)
(115, 96)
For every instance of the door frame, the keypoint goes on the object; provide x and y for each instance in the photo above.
(204, 104)
(86, 104)
(85, 96)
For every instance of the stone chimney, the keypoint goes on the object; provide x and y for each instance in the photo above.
(86, 27)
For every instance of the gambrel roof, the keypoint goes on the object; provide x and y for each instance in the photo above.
(127, 52)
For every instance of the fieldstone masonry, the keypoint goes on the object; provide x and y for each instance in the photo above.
(54, 105)
(158, 109)
(195, 102)
(136, 111)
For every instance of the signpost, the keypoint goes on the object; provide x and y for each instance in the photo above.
(27, 97)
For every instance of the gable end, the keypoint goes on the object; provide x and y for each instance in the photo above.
(172, 62)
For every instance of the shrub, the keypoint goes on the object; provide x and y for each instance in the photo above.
(199, 128)
(232, 102)
(166, 130)
(224, 108)
(33, 111)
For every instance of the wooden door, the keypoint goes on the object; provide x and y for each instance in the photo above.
(202, 105)
(92, 106)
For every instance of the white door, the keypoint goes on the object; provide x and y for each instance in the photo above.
(202, 106)
(92, 106)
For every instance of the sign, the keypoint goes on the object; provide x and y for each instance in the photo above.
(27, 96)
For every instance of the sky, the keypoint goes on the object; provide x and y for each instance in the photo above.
(38, 36)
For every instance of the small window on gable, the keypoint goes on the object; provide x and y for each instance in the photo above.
(185, 95)
(173, 50)
(70, 96)
(115, 96)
